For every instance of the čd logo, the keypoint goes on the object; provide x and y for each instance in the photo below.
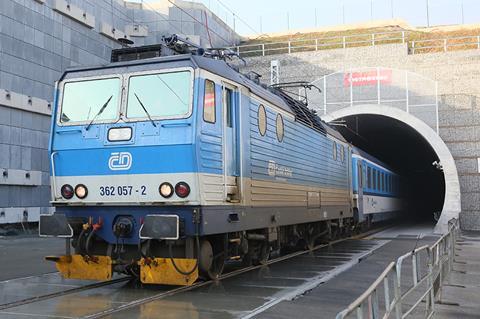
(120, 161)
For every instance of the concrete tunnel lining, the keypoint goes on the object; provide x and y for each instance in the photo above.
(452, 202)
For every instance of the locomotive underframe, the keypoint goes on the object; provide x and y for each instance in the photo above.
(249, 234)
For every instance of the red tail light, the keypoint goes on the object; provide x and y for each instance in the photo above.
(182, 189)
(67, 191)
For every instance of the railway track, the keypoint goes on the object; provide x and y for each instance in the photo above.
(62, 293)
(11, 308)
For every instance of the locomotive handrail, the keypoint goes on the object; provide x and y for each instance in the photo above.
(439, 259)
(54, 182)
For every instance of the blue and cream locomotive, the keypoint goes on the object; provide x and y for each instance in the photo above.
(168, 167)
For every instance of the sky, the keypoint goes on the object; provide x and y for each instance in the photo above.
(264, 16)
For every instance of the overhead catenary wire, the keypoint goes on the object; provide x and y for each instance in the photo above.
(161, 16)
(235, 15)
(202, 23)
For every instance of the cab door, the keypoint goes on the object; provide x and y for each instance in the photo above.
(231, 143)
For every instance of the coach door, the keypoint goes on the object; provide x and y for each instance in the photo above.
(360, 183)
(231, 143)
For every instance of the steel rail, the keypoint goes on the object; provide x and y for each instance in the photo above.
(234, 273)
(62, 293)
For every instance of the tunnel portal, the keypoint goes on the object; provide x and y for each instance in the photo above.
(411, 148)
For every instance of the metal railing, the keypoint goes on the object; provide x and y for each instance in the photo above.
(357, 40)
(444, 45)
(323, 43)
(424, 282)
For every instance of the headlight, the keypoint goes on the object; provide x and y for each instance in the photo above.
(182, 189)
(119, 134)
(166, 190)
(67, 191)
(81, 191)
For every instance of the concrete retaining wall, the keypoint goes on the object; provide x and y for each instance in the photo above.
(458, 76)
(38, 40)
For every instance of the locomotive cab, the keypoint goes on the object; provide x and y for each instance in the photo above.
(136, 149)
(133, 127)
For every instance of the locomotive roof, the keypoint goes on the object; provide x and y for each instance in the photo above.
(218, 67)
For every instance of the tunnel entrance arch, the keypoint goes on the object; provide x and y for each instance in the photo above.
(451, 203)
(408, 103)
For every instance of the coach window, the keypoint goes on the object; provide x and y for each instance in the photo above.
(280, 127)
(374, 179)
(360, 175)
(378, 181)
(334, 151)
(262, 120)
(209, 102)
(369, 177)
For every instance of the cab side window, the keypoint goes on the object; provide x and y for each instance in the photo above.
(209, 102)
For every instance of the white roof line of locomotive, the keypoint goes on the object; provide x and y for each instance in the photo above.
(218, 67)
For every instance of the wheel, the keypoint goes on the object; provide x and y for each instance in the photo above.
(258, 254)
(310, 238)
(310, 242)
(211, 259)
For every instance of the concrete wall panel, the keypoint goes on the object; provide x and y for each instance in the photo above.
(458, 75)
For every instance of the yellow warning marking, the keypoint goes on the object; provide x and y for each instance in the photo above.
(162, 271)
(84, 267)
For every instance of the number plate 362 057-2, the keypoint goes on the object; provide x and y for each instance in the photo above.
(122, 190)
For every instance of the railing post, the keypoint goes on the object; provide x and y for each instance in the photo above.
(263, 49)
(478, 41)
(316, 44)
(397, 292)
(360, 312)
(375, 306)
(344, 42)
(373, 39)
(238, 50)
(289, 47)
(444, 45)
(414, 269)
(431, 300)
(413, 47)
(387, 293)
(403, 37)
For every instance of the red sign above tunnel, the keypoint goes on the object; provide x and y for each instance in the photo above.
(367, 78)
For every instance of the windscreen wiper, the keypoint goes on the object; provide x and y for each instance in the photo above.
(172, 90)
(145, 110)
(99, 112)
